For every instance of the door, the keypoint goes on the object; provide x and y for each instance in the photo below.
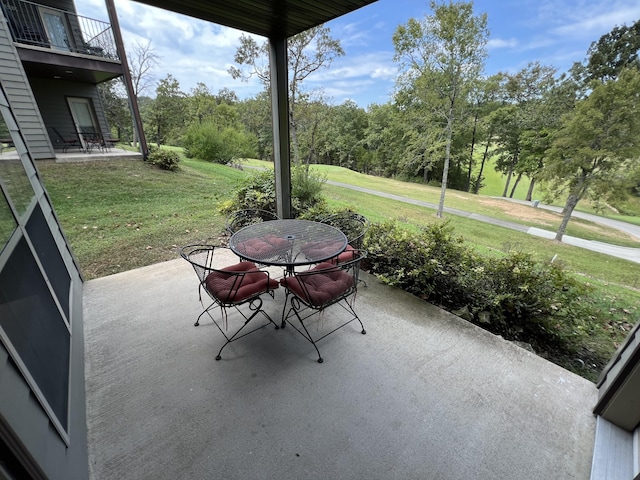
(55, 25)
(84, 118)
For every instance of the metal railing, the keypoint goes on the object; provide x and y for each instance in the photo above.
(43, 26)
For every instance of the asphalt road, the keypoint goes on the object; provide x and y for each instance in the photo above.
(627, 253)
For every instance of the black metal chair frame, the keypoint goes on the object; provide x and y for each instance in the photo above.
(248, 216)
(71, 141)
(201, 258)
(302, 308)
(352, 224)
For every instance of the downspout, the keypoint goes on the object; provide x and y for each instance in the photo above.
(280, 113)
(128, 83)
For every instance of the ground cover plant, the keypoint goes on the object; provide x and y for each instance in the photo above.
(120, 215)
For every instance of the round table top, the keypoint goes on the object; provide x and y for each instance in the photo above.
(288, 243)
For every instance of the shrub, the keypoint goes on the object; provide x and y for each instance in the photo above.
(163, 158)
(207, 141)
(513, 295)
(259, 191)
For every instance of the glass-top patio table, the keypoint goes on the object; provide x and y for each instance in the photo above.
(288, 243)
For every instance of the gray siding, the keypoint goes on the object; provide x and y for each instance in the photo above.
(51, 96)
(27, 428)
(21, 99)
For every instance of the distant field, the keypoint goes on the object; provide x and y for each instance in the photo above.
(494, 186)
(494, 183)
(480, 204)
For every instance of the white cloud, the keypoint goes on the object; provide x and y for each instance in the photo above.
(496, 43)
(599, 24)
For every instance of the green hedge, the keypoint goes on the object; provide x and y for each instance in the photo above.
(512, 295)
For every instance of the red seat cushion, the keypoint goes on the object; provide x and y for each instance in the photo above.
(244, 280)
(262, 248)
(322, 287)
(346, 256)
(318, 250)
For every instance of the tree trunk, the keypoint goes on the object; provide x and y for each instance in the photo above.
(484, 159)
(473, 144)
(572, 201)
(506, 185)
(532, 184)
(294, 136)
(445, 169)
(515, 185)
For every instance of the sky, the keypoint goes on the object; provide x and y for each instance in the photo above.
(555, 33)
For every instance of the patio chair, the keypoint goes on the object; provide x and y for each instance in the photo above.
(354, 226)
(71, 140)
(313, 291)
(228, 287)
(241, 218)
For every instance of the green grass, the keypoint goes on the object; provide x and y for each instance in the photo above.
(481, 204)
(121, 215)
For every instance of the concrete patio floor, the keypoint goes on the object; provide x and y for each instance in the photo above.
(424, 395)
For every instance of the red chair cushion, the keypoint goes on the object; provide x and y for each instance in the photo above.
(322, 287)
(345, 256)
(318, 250)
(262, 248)
(238, 285)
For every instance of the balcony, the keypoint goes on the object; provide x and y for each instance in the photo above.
(423, 395)
(51, 42)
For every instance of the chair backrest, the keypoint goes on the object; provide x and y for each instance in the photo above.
(230, 285)
(200, 257)
(352, 224)
(73, 137)
(327, 283)
(241, 218)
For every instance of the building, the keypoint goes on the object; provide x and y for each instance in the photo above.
(63, 57)
(50, 63)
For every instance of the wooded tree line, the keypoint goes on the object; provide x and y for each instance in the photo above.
(576, 133)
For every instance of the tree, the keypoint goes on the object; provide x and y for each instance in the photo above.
(168, 109)
(596, 144)
(343, 132)
(444, 52)
(255, 115)
(114, 101)
(384, 136)
(141, 61)
(614, 52)
(487, 101)
(307, 52)
(520, 132)
(202, 104)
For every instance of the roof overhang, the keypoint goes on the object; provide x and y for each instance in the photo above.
(268, 18)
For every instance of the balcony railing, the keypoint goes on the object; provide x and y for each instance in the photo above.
(43, 26)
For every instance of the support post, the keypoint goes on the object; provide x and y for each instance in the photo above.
(280, 112)
(128, 83)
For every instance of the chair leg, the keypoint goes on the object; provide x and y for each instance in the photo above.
(295, 306)
(235, 336)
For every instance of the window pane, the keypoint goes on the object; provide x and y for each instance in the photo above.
(34, 327)
(7, 222)
(50, 257)
(15, 182)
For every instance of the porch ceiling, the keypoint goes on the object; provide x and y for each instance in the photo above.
(272, 19)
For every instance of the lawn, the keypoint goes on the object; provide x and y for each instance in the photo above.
(121, 215)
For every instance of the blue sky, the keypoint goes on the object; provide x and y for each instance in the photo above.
(554, 32)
